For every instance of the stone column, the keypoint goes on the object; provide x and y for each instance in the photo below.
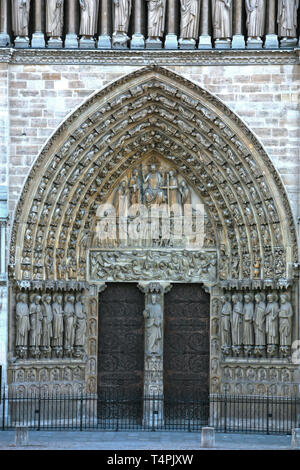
(271, 41)
(171, 41)
(4, 19)
(153, 414)
(138, 39)
(104, 40)
(38, 37)
(72, 17)
(205, 37)
(238, 40)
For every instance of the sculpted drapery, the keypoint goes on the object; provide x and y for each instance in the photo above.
(122, 11)
(54, 18)
(189, 25)
(255, 17)
(156, 18)
(20, 17)
(221, 13)
(287, 18)
(89, 17)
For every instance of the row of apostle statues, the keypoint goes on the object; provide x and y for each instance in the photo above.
(50, 326)
(118, 23)
(256, 324)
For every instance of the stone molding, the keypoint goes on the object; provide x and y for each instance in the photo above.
(150, 57)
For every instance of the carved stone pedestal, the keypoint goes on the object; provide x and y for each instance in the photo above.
(208, 438)
(254, 43)
(238, 42)
(87, 43)
(104, 42)
(4, 40)
(205, 42)
(271, 41)
(222, 43)
(171, 41)
(21, 436)
(137, 41)
(155, 44)
(288, 43)
(55, 43)
(21, 42)
(187, 43)
(295, 444)
(71, 41)
(120, 41)
(38, 41)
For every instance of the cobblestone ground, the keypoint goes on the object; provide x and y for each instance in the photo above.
(141, 441)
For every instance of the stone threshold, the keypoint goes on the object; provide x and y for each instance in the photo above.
(150, 57)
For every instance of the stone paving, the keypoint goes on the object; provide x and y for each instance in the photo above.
(91, 440)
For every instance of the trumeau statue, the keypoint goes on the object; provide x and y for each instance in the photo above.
(54, 18)
(20, 17)
(189, 23)
(287, 18)
(256, 10)
(156, 18)
(221, 13)
(153, 315)
(89, 17)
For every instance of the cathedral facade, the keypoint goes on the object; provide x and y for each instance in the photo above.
(149, 197)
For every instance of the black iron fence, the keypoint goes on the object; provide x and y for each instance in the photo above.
(114, 412)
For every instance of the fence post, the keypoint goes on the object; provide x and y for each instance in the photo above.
(81, 411)
(39, 417)
(3, 411)
(225, 412)
(268, 432)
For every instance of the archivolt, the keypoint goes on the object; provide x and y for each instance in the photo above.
(154, 109)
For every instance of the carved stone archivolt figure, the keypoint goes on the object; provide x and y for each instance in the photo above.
(189, 23)
(225, 324)
(255, 18)
(156, 18)
(135, 187)
(89, 17)
(20, 17)
(287, 18)
(54, 18)
(153, 315)
(285, 323)
(221, 13)
(22, 325)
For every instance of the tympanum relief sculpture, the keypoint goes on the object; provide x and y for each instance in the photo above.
(253, 327)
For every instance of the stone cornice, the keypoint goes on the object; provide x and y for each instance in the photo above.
(147, 57)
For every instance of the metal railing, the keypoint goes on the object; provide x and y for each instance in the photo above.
(115, 412)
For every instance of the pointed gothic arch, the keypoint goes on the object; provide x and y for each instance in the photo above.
(154, 109)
